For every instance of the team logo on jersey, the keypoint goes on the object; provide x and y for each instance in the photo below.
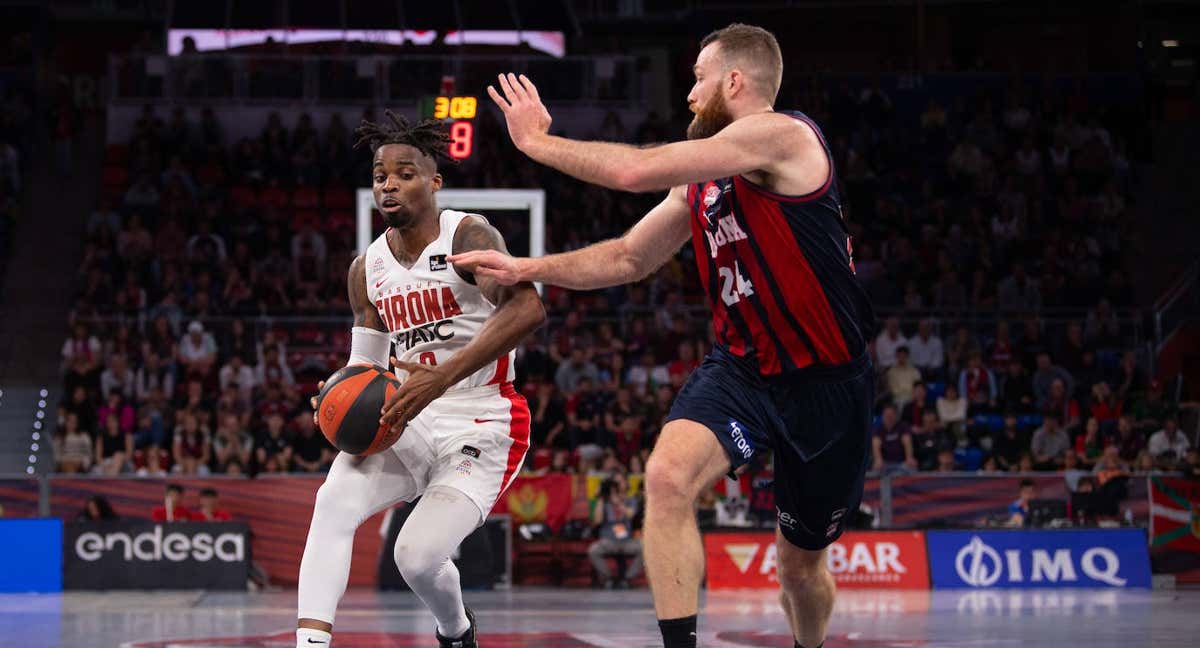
(437, 262)
(377, 266)
(418, 307)
(711, 195)
(434, 331)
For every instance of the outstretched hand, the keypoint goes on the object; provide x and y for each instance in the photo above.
(526, 116)
(424, 384)
(490, 263)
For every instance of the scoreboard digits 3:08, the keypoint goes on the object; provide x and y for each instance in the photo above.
(461, 110)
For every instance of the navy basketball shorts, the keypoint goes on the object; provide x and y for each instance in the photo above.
(816, 421)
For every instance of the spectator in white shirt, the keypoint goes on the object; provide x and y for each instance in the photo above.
(154, 376)
(197, 350)
(81, 344)
(886, 344)
(644, 378)
(272, 369)
(925, 350)
(118, 376)
(236, 371)
(1170, 444)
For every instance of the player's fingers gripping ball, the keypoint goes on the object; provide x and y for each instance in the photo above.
(348, 409)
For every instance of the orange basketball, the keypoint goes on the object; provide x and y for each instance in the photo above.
(348, 409)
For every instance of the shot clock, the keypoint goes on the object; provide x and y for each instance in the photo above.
(460, 111)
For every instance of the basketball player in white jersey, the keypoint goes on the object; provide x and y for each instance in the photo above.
(463, 427)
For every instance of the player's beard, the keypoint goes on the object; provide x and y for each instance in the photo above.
(400, 220)
(710, 119)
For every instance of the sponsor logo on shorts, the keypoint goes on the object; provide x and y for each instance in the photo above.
(468, 450)
(739, 439)
(437, 262)
(786, 520)
(835, 522)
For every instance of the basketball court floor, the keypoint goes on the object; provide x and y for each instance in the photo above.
(544, 618)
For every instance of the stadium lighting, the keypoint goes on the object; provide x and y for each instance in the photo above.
(1170, 43)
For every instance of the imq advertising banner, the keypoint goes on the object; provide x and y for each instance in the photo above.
(149, 555)
(1029, 559)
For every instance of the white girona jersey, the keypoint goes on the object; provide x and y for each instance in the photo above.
(429, 309)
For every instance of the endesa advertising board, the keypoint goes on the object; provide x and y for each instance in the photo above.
(1030, 559)
(149, 555)
(862, 559)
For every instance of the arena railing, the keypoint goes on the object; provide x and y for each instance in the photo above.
(1177, 306)
(982, 323)
(895, 501)
(393, 80)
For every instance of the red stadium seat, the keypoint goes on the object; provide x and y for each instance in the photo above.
(306, 198)
(210, 175)
(338, 220)
(274, 196)
(116, 154)
(303, 218)
(339, 199)
(243, 196)
(115, 178)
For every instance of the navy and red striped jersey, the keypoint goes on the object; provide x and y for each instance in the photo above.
(779, 272)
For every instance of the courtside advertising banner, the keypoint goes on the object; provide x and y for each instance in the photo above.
(1031, 559)
(31, 555)
(859, 559)
(155, 555)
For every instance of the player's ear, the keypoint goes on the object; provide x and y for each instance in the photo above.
(436, 181)
(736, 83)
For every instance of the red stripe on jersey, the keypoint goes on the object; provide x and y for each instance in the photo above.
(518, 431)
(793, 345)
(802, 291)
(724, 329)
(501, 374)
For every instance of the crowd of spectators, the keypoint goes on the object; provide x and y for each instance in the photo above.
(1020, 403)
(967, 215)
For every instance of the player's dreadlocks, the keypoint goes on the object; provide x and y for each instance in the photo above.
(427, 135)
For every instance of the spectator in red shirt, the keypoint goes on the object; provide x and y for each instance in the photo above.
(1129, 443)
(977, 385)
(1001, 351)
(208, 511)
(1105, 407)
(172, 509)
(1062, 405)
(681, 367)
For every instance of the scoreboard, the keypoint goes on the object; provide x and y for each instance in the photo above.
(460, 111)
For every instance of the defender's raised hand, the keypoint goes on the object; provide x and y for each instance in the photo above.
(490, 263)
(526, 116)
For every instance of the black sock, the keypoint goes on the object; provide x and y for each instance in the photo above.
(820, 645)
(678, 633)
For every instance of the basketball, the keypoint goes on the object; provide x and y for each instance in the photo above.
(349, 408)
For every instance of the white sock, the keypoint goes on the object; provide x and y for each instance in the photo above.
(310, 638)
(436, 527)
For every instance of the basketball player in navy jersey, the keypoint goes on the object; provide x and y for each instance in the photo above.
(754, 190)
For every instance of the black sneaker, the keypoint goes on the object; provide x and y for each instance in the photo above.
(466, 640)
